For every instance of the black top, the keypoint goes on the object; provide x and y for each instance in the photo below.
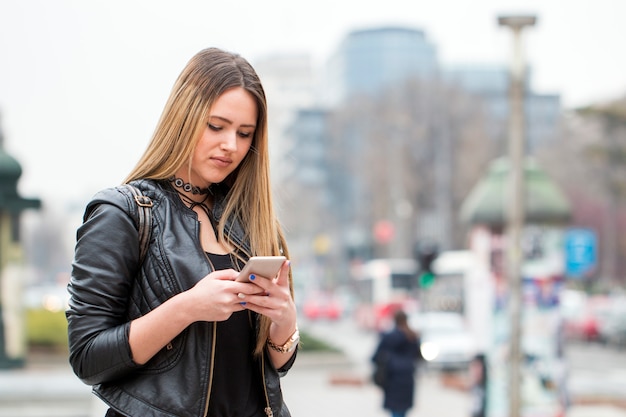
(237, 385)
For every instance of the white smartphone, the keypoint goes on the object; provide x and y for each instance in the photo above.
(265, 266)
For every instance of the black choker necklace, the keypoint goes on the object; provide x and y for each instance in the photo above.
(188, 187)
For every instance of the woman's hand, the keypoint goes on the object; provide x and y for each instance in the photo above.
(214, 298)
(218, 295)
(276, 303)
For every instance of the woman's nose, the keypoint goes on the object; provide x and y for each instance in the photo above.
(230, 142)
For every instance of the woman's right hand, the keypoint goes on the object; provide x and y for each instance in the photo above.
(216, 296)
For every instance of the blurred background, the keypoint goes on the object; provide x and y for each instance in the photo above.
(390, 136)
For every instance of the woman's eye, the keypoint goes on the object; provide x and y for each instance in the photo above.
(214, 128)
(245, 135)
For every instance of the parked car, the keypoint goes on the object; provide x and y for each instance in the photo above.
(446, 343)
(583, 320)
(319, 306)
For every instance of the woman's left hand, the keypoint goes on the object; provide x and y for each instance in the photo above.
(276, 303)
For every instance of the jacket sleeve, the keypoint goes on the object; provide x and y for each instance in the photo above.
(105, 264)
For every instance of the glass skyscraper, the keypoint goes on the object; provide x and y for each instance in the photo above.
(368, 60)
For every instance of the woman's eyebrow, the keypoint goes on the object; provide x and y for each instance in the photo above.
(224, 119)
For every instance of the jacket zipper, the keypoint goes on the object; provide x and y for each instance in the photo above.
(211, 369)
(268, 409)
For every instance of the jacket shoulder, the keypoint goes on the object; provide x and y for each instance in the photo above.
(115, 196)
(121, 197)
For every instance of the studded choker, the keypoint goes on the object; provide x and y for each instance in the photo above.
(188, 187)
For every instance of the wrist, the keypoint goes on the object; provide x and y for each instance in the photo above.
(288, 345)
(181, 308)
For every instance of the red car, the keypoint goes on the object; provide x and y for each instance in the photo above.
(584, 322)
(322, 306)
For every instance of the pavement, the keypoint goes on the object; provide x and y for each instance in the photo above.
(318, 384)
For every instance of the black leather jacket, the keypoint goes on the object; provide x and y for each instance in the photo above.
(109, 288)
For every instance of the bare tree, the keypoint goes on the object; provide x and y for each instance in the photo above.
(589, 160)
(416, 149)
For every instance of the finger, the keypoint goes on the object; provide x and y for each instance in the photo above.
(242, 289)
(279, 311)
(264, 282)
(261, 304)
(224, 274)
(241, 301)
(283, 275)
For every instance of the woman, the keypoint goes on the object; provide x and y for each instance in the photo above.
(399, 348)
(173, 333)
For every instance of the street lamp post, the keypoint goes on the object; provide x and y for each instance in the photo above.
(515, 214)
(12, 340)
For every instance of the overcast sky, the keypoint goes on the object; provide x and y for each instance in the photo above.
(82, 83)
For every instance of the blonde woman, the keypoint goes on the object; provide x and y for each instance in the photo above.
(173, 333)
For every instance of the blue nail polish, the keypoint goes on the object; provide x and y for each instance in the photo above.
(243, 303)
(252, 277)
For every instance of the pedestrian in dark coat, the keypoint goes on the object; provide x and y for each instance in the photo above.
(400, 349)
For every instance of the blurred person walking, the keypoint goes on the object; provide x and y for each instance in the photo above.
(398, 352)
(172, 332)
(478, 385)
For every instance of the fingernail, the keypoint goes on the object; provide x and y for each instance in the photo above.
(252, 277)
(243, 303)
(241, 295)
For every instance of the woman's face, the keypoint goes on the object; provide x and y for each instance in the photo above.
(226, 138)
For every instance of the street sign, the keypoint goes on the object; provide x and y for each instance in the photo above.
(580, 252)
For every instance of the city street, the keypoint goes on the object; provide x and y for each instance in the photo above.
(597, 375)
(319, 384)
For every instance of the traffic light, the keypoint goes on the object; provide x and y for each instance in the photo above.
(426, 253)
(426, 280)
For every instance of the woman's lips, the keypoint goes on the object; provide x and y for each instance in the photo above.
(222, 161)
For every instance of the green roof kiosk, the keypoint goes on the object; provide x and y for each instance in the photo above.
(487, 288)
(544, 201)
(12, 338)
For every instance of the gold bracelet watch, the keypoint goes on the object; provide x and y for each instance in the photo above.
(289, 346)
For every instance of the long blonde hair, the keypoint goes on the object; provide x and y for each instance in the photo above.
(206, 76)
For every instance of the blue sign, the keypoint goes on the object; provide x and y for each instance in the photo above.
(580, 252)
